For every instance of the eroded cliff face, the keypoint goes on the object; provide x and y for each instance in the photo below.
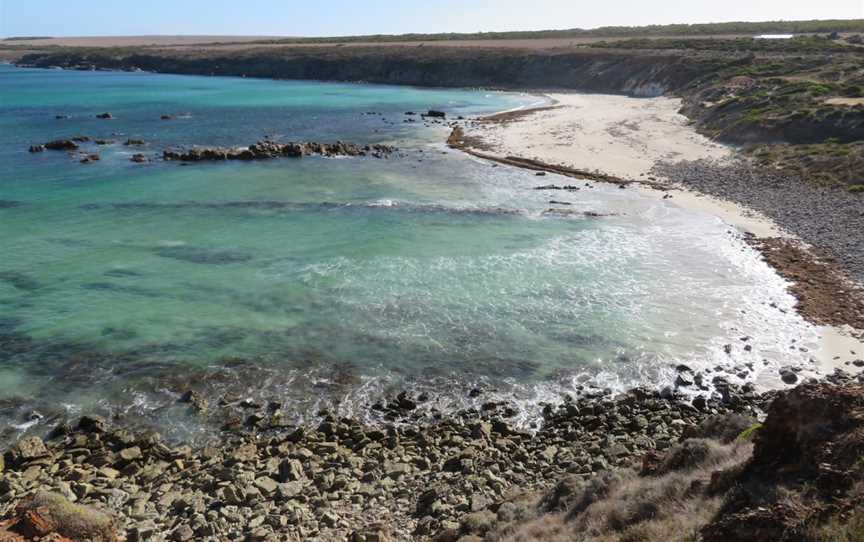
(634, 73)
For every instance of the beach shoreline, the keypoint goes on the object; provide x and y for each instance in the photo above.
(420, 471)
(583, 136)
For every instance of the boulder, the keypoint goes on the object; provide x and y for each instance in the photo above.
(30, 448)
(61, 145)
(788, 375)
(291, 470)
(49, 516)
(92, 424)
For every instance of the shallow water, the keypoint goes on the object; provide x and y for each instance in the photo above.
(333, 280)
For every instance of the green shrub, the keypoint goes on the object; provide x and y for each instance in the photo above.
(853, 91)
(857, 188)
(818, 89)
(748, 434)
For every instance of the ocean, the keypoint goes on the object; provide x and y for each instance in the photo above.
(335, 282)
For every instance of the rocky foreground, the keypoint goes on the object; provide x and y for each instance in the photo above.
(455, 477)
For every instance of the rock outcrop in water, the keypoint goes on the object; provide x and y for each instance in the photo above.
(265, 150)
(61, 145)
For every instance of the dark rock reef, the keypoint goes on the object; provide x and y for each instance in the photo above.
(265, 150)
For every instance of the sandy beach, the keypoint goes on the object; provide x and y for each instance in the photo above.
(626, 137)
(618, 135)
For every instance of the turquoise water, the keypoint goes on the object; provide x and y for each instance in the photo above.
(332, 281)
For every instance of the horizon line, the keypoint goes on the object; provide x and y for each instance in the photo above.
(382, 34)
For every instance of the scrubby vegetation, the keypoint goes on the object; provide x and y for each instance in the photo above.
(751, 28)
(670, 498)
(793, 482)
(26, 38)
(796, 44)
(826, 163)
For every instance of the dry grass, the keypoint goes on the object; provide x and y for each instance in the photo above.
(849, 529)
(846, 527)
(672, 505)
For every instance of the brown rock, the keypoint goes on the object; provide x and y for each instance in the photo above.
(30, 448)
(52, 516)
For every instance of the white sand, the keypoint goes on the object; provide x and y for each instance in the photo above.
(622, 136)
(626, 137)
(619, 135)
(837, 348)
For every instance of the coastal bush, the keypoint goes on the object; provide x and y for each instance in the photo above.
(857, 188)
(819, 89)
(724, 428)
(755, 116)
(748, 434)
(748, 28)
(841, 530)
(799, 44)
(853, 91)
(671, 504)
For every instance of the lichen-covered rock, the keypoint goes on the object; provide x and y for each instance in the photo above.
(49, 516)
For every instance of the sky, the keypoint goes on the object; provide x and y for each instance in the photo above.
(353, 17)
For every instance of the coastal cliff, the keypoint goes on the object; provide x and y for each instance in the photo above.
(592, 71)
(734, 95)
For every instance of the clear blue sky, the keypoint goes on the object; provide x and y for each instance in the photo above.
(347, 17)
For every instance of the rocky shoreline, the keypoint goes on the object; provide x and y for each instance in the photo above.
(438, 477)
(423, 475)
